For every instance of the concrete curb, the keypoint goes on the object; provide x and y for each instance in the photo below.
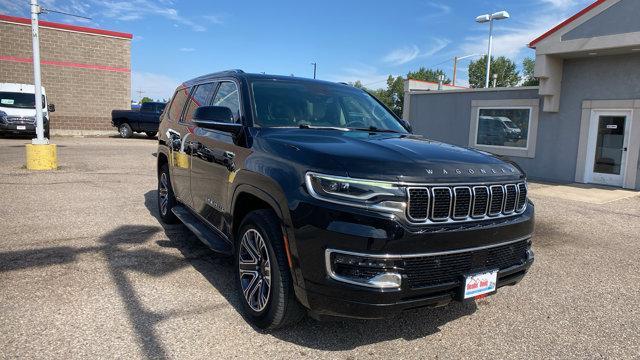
(83, 133)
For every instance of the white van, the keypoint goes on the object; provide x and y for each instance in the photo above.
(18, 109)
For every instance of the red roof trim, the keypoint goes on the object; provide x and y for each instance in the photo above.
(565, 23)
(435, 83)
(54, 25)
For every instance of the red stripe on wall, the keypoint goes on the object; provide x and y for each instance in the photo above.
(54, 25)
(65, 64)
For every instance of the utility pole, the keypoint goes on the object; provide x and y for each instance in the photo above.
(140, 92)
(455, 65)
(315, 65)
(37, 82)
(455, 70)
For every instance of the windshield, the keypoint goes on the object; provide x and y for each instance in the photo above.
(510, 124)
(19, 100)
(301, 104)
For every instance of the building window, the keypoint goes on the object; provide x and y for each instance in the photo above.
(505, 127)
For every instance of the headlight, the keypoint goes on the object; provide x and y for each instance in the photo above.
(379, 195)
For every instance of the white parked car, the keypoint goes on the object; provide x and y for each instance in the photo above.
(18, 109)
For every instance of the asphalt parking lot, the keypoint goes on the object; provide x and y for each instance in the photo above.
(88, 271)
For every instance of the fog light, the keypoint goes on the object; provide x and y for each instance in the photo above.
(364, 270)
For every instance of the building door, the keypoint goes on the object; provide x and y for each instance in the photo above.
(607, 149)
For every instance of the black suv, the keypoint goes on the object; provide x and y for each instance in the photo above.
(330, 205)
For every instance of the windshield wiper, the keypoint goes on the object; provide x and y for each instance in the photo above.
(374, 129)
(307, 126)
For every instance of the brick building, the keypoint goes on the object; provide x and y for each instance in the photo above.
(86, 72)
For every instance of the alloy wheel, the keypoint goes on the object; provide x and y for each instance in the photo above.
(163, 193)
(254, 266)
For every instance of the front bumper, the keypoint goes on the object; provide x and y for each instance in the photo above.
(328, 227)
(17, 128)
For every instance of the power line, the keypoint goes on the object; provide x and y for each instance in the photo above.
(64, 13)
(428, 67)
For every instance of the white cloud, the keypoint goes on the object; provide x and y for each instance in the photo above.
(217, 19)
(510, 41)
(402, 55)
(407, 54)
(155, 86)
(367, 74)
(562, 4)
(187, 49)
(439, 45)
(440, 9)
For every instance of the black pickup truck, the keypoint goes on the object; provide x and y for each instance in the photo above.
(145, 120)
(330, 205)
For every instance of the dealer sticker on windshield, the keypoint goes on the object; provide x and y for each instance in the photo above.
(480, 284)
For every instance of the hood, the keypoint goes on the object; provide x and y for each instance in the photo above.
(388, 156)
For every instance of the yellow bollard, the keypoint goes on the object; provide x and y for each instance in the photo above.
(42, 157)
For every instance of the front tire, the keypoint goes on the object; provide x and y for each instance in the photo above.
(166, 198)
(125, 130)
(151, 134)
(264, 280)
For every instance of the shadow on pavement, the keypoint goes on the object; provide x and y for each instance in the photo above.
(332, 336)
(119, 249)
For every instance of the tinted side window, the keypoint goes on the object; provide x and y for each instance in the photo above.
(160, 107)
(227, 95)
(200, 97)
(146, 107)
(177, 104)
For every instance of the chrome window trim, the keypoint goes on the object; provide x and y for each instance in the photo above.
(473, 206)
(515, 202)
(439, 220)
(455, 198)
(411, 218)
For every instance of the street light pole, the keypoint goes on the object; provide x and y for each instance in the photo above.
(35, 11)
(314, 69)
(489, 18)
(486, 84)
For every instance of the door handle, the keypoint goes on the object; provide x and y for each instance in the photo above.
(624, 149)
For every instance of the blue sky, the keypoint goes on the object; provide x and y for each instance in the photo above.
(349, 39)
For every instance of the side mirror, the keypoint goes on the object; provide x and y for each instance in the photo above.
(216, 118)
(51, 108)
(407, 125)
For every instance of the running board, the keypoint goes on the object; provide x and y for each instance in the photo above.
(207, 235)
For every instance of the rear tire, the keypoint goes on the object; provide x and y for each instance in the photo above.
(166, 198)
(265, 286)
(125, 130)
(46, 132)
(151, 133)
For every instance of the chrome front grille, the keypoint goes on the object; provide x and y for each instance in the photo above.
(419, 197)
(461, 202)
(438, 204)
(441, 203)
(480, 201)
(497, 199)
(21, 120)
